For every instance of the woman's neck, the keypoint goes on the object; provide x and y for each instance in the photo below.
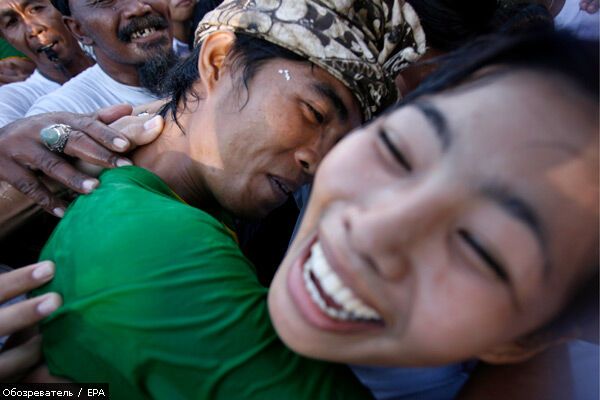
(169, 157)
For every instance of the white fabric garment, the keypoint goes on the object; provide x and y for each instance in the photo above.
(16, 98)
(89, 91)
(180, 48)
(582, 24)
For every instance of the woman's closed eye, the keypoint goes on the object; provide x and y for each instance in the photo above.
(395, 151)
(484, 255)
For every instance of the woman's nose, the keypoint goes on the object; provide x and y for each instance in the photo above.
(388, 225)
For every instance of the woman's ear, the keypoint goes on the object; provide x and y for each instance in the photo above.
(211, 62)
(75, 29)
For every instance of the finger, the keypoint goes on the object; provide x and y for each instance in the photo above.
(58, 169)
(20, 315)
(22, 280)
(110, 114)
(140, 130)
(27, 183)
(97, 130)
(83, 147)
(18, 360)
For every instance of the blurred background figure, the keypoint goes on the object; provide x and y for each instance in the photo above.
(14, 66)
(182, 13)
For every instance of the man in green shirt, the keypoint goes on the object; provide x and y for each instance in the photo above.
(175, 311)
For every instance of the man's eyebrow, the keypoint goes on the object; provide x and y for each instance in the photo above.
(327, 91)
(522, 211)
(437, 120)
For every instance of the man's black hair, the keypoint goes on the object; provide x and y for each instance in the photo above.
(62, 6)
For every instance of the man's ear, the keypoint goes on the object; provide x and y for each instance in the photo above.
(75, 29)
(211, 62)
(520, 350)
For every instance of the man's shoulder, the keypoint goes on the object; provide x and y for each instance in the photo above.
(36, 85)
(135, 206)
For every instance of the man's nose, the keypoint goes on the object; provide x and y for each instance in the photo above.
(34, 28)
(308, 158)
(136, 8)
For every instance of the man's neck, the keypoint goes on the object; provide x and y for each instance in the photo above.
(60, 73)
(169, 158)
(126, 74)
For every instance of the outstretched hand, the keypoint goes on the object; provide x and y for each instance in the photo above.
(23, 350)
(24, 159)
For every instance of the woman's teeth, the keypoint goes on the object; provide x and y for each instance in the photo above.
(347, 306)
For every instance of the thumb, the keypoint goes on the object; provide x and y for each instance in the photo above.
(140, 130)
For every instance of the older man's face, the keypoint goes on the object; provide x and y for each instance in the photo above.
(35, 28)
(125, 32)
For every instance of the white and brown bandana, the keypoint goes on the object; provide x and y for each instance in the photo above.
(363, 43)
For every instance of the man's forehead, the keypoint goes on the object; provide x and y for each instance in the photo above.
(6, 5)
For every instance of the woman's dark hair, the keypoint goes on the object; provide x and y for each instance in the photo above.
(449, 24)
(548, 50)
(247, 54)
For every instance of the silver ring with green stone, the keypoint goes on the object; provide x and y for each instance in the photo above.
(55, 136)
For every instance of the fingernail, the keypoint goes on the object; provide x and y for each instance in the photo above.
(48, 306)
(120, 144)
(89, 185)
(153, 123)
(123, 162)
(59, 212)
(43, 271)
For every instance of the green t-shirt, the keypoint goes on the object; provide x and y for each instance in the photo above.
(6, 50)
(160, 302)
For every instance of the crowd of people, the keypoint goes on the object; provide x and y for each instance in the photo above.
(458, 223)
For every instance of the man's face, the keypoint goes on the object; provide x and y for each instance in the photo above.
(124, 32)
(260, 144)
(35, 27)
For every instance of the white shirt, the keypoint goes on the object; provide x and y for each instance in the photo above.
(16, 98)
(90, 90)
(582, 24)
(180, 48)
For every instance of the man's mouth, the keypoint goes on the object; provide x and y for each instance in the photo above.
(281, 185)
(46, 48)
(142, 33)
(142, 27)
(329, 293)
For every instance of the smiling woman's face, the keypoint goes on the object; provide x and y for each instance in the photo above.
(446, 228)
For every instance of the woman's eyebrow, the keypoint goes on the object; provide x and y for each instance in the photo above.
(520, 210)
(328, 92)
(437, 120)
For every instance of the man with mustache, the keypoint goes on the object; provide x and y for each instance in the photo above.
(131, 40)
(36, 29)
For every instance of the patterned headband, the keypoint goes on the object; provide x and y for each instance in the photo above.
(363, 43)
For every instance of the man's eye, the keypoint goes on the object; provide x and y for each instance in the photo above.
(498, 269)
(36, 9)
(319, 118)
(398, 155)
(10, 22)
